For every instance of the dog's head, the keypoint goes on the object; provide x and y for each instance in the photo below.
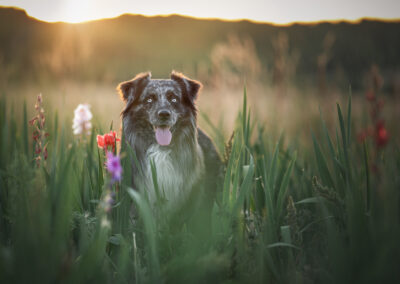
(159, 107)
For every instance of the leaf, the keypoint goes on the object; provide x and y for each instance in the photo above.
(317, 199)
(282, 244)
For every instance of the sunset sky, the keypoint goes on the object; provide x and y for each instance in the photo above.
(275, 11)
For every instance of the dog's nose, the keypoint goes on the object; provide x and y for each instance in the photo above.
(164, 114)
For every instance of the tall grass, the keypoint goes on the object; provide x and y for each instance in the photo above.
(281, 214)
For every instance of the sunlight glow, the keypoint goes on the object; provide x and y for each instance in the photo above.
(76, 11)
(280, 12)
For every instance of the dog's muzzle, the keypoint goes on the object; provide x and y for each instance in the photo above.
(162, 129)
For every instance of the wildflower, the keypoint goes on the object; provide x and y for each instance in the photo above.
(39, 135)
(381, 135)
(114, 167)
(81, 122)
(108, 139)
(377, 130)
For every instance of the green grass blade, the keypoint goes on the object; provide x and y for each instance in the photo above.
(155, 180)
(25, 138)
(284, 187)
(322, 165)
(367, 177)
(273, 167)
(150, 232)
(349, 118)
(245, 187)
(327, 136)
(100, 177)
(344, 141)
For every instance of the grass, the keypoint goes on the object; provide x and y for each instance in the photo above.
(283, 214)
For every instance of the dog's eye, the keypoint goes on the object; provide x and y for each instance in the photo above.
(173, 100)
(149, 100)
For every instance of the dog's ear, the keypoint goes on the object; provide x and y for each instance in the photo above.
(130, 90)
(190, 88)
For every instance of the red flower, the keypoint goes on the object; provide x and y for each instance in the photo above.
(100, 141)
(381, 134)
(108, 139)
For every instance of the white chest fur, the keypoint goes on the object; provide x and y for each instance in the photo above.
(176, 174)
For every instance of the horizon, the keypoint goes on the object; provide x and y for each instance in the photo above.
(74, 12)
(332, 21)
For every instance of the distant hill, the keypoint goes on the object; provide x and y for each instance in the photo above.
(116, 49)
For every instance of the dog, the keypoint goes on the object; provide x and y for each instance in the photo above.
(160, 124)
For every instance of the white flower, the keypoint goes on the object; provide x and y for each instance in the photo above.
(81, 123)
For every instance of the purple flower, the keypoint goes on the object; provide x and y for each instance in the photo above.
(113, 165)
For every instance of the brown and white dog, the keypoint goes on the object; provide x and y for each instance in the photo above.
(159, 123)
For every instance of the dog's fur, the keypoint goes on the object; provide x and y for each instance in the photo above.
(190, 162)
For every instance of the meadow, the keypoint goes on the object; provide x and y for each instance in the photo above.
(303, 119)
(321, 211)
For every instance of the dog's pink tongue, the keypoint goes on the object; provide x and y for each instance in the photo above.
(163, 136)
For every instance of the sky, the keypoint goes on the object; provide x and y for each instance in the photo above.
(273, 11)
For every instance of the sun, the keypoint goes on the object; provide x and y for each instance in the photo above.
(76, 11)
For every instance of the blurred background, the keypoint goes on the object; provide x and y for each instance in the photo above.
(290, 71)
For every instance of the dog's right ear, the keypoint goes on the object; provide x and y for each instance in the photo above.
(130, 90)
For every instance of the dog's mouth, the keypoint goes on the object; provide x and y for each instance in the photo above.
(163, 134)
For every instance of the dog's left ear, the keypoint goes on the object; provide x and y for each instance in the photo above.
(190, 88)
